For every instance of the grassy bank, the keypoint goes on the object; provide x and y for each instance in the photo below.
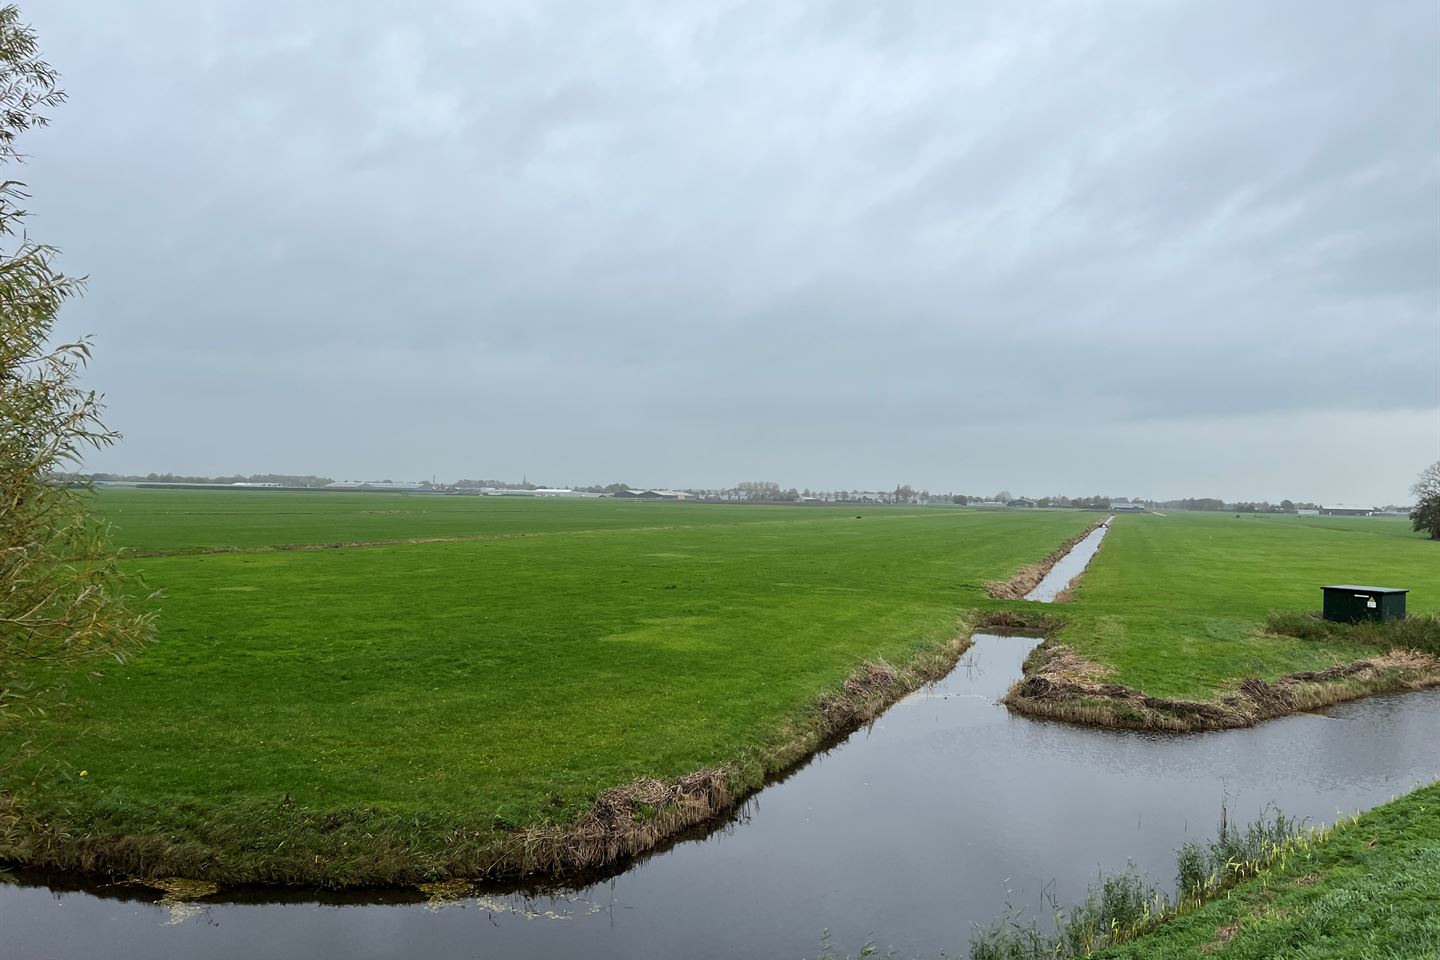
(1168, 628)
(1369, 890)
(1363, 888)
(401, 713)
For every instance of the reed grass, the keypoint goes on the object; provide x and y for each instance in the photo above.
(1420, 632)
(1363, 889)
(1122, 907)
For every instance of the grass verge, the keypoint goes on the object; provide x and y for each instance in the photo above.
(1365, 890)
(1362, 888)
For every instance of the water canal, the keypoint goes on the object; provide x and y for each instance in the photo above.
(937, 817)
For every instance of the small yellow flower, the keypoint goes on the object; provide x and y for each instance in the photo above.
(84, 773)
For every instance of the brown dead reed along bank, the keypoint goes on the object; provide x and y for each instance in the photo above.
(1061, 685)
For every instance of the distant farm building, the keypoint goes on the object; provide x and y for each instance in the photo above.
(1340, 510)
(650, 495)
(1022, 502)
(1128, 507)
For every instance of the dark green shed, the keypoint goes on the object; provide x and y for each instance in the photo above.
(1347, 603)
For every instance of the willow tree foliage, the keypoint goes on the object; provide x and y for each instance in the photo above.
(62, 600)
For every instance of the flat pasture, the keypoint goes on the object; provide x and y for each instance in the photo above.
(488, 684)
(350, 688)
(1174, 604)
(180, 521)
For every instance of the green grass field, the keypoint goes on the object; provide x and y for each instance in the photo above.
(166, 521)
(546, 651)
(1173, 603)
(491, 683)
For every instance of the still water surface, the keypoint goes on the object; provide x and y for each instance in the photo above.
(1070, 566)
(932, 820)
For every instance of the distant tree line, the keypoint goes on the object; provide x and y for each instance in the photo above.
(498, 484)
(283, 479)
(1240, 506)
(768, 491)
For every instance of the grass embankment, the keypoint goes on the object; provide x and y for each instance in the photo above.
(405, 713)
(1367, 891)
(1168, 627)
(1364, 888)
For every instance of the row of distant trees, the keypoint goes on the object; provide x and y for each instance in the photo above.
(498, 484)
(284, 479)
(1239, 506)
(768, 491)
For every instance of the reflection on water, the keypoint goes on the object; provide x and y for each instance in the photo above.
(1069, 566)
(934, 819)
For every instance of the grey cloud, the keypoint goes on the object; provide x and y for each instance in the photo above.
(907, 217)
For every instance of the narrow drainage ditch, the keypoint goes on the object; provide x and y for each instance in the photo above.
(1070, 566)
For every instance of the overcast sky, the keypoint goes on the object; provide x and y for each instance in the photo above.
(1162, 249)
